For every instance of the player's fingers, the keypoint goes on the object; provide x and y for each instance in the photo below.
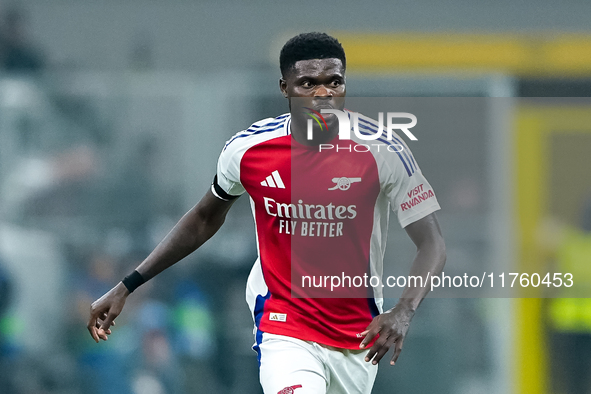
(108, 321)
(102, 334)
(93, 333)
(369, 336)
(98, 326)
(92, 328)
(397, 350)
(96, 333)
(381, 341)
(370, 332)
(104, 316)
(382, 350)
(99, 322)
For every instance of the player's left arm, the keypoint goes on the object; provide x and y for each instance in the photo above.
(393, 324)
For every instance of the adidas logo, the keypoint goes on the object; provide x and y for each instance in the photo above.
(273, 180)
(282, 317)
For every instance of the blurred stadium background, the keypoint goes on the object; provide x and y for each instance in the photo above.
(113, 113)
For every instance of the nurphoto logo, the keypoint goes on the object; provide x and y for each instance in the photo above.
(345, 124)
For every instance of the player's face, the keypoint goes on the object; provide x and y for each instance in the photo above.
(321, 78)
(317, 84)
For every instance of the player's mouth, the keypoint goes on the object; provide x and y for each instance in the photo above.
(319, 107)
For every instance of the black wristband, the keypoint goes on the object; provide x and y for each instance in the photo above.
(133, 281)
(219, 192)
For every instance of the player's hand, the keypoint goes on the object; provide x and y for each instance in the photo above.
(392, 327)
(104, 311)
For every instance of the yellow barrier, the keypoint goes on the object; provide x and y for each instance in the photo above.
(535, 125)
(545, 54)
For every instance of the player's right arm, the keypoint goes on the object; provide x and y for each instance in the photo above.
(194, 228)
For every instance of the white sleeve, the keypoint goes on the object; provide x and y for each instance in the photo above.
(408, 191)
(228, 174)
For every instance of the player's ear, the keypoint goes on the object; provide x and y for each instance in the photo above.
(283, 87)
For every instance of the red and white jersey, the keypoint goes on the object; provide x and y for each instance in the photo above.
(320, 213)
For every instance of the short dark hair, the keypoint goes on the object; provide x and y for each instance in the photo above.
(307, 46)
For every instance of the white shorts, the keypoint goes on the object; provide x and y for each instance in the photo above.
(289, 365)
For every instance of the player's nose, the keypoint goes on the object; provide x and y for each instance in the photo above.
(323, 91)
